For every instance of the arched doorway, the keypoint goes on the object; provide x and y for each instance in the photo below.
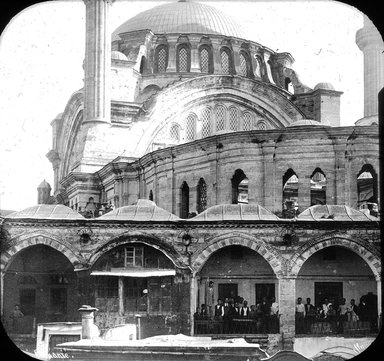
(240, 277)
(43, 291)
(136, 278)
(332, 277)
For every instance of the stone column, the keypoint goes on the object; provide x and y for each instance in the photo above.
(171, 54)
(195, 61)
(269, 178)
(304, 192)
(193, 288)
(379, 297)
(370, 42)
(287, 310)
(97, 63)
(121, 296)
(87, 322)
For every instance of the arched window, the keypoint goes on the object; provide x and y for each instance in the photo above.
(226, 62)
(190, 132)
(367, 195)
(318, 187)
(233, 119)
(201, 196)
(206, 120)
(220, 118)
(161, 62)
(239, 187)
(261, 125)
(288, 85)
(183, 60)
(174, 133)
(259, 64)
(290, 192)
(245, 65)
(184, 200)
(142, 64)
(150, 195)
(247, 121)
(206, 60)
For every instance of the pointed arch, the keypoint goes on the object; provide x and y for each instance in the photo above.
(29, 240)
(184, 200)
(238, 239)
(372, 259)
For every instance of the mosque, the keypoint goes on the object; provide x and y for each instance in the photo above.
(193, 154)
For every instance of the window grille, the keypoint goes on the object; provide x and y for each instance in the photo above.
(247, 121)
(183, 59)
(134, 256)
(204, 60)
(243, 65)
(225, 66)
(201, 196)
(233, 119)
(206, 119)
(191, 127)
(261, 126)
(174, 133)
(162, 60)
(220, 117)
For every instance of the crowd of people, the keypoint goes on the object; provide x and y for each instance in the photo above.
(336, 313)
(234, 315)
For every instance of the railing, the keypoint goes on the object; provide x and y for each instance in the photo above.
(265, 324)
(335, 325)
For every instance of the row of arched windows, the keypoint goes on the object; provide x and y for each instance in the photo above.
(183, 60)
(216, 120)
(366, 188)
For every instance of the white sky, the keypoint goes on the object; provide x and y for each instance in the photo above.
(42, 52)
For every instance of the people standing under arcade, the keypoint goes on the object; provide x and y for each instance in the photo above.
(210, 298)
(300, 314)
(342, 315)
(244, 311)
(353, 312)
(310, 315)
(274, 316)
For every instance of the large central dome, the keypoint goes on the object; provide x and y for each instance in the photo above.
(182, 17)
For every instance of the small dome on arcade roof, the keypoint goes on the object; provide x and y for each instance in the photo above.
(326, 86)
(235, 212)
(47, 211)
(143, 210)
(334, 213)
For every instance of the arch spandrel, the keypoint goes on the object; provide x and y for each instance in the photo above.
(305, 252)
(238, 239)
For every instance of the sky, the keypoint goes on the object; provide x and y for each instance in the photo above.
(42, 52)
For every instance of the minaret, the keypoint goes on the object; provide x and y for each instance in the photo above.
(97, 63)
(370, 42)
(96, 130)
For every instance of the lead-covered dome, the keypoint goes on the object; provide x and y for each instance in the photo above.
(182, 17)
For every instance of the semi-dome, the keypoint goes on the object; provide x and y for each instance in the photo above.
(236, 212)
(47, 211)
(182, 17)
